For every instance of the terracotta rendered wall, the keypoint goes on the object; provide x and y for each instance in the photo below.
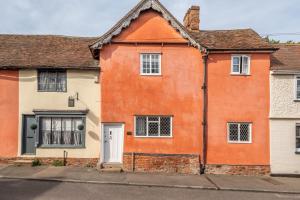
(176, 92)
(238, 99)
(9, 105)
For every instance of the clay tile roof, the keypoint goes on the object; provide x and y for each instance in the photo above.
(38, 51)
(286, 58)
(239, 39)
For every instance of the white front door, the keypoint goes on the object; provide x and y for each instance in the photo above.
(113, 143)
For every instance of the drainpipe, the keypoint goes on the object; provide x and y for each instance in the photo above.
(204, 122)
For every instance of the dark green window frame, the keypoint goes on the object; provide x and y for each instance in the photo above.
(39, 138)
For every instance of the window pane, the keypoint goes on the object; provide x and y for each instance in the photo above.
(67, 131)
(297, 131)
(141, 126)
(153, 119)
(56, 130)
(146, 63)
(165, 126)
(245, 69)
(153, 128)
(236, 60)
(233, 132)
(236, 69)
(298, 143)
(61, 82)
(77, 134)
(45, 129)
(155, 63)
(244, 132)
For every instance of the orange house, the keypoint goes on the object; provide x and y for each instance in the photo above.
(176, 98)
(9, 109)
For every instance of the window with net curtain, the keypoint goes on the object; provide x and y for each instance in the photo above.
(61, 131)
(52, 80)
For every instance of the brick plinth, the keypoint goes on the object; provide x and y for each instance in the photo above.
(76, 162)
(167, 163)
(249, 170)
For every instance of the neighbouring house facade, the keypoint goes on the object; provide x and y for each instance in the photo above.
(285, 115)
(53, 89)
(151, 94)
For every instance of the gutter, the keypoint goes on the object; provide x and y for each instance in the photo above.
(204, 122)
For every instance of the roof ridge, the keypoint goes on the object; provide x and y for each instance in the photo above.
(237, 29)
(48, 35)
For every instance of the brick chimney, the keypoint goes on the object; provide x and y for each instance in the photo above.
(192, 19)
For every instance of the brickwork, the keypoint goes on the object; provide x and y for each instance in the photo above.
(192, 19)
(249, 170)
(76, 162)
(167, 163)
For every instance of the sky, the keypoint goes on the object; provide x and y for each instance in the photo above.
(94, 17)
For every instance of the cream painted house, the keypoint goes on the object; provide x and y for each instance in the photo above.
(285, 110)
(59, 99)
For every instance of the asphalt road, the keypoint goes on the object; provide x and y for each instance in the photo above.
(11, 189)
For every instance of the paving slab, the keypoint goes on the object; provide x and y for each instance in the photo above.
(255, 183)
(192, 181)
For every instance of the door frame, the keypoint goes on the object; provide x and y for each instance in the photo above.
(102, 148)
(23, 135)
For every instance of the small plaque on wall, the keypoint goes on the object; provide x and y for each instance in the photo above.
(129, 133)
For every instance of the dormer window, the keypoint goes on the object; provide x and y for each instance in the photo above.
(240, 65)
(150, 64)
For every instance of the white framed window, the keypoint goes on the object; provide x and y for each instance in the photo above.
(150, 64)
(297, 87)
(153, 126)
(240, 132)
(240, 64)
(298, 138)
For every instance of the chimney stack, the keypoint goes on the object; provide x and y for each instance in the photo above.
(192, 19)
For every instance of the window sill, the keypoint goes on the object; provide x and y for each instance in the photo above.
(297, 151)
(150, 74)
(60, 147)
(239, 142)
(296, 100)
(240, 74)
(155, 137)
(52, 91)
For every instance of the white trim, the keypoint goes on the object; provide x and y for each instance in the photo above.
(239, 73)
(159, 136)
(239, 142)
(159, 62)
(101, 160)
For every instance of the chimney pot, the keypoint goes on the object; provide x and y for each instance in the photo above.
(192, 19)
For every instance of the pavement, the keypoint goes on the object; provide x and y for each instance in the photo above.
(263, 184)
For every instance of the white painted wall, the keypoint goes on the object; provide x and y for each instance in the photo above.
(284, 114)
(81, 81)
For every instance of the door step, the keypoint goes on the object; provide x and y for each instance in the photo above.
(27, 162)
(111, 167)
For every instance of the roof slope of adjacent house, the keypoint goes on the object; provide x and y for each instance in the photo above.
(286, 58)
(239, 39)
(43, 51)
